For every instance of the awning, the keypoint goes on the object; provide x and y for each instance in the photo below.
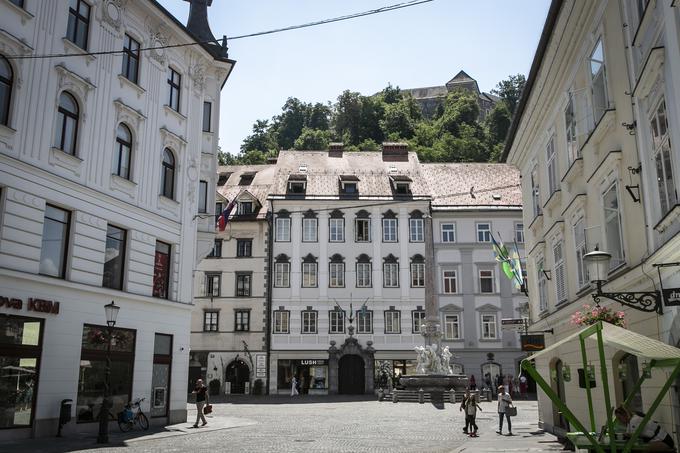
(623, 339)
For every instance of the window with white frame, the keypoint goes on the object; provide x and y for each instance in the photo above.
(542, 286)
(598, 81)
(362, 230)
(486, 281)
(336, 320)
(211, 321)
(417, 271)
(336, 272)
(551, 161)
(448, 232)
(309, 321)
(416, 230)
(391, 272)
(450, 281)
(418, 320)
(519, 233)
(488, 326)
(212, 284)
(309, 229)
(612, 225)
(536, 192)
(336, 232)
(281, 321)
(389, 225)
(283, 229)
(309, 272)
(573, 150)
(392, 321)
(580, 244)
(560, 272)
(364, 271)
(661, 145)
(452, 327)
(364, 321)
(282, 272)
(483, 232)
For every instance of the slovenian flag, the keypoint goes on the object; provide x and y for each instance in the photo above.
(224, 217)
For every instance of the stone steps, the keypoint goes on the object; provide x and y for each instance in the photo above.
(422, 397)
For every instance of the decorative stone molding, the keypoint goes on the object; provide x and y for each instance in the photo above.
(168, 205)
(60, 158)
(113, 12)
(451, 308)
(143, 237)
(127, 114)
(192, 176)
(11, 45)
(158, 36)
(7, 137)
(126, 186)
(71, 48)
(172, 140)
(25, 198)
(89, 219)
(651, 71)
(197, 72)
(174, 113)
(125, 82)
(25, 15)
(487, 308)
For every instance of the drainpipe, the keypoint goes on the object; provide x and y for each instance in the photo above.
(270, 260)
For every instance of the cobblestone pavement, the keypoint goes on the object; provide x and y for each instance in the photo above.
(317, 424)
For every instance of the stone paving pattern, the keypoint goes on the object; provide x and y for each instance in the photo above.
(320, 424)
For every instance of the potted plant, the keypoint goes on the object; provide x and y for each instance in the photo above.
(590, 315)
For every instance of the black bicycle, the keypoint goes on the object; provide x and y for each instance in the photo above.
(131, 415)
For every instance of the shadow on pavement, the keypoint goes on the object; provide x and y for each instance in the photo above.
(285, 399)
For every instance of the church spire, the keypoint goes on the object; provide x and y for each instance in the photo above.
(197, 23)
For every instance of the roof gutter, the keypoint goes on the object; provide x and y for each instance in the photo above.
(548, 28)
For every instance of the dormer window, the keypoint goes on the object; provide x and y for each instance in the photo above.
(401, 184)
(349, 184)
(223, 178)
(302, 168)
(247, 178)
(297, 184)
(245, 208)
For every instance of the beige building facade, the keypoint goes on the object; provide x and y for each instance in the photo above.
(592, 139)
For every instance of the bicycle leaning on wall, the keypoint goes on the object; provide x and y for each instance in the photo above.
(131, 415)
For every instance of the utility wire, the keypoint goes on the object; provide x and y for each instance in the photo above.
(383, 9)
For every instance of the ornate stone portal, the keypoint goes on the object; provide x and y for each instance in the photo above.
(347, 356)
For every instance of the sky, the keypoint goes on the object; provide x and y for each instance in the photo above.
(419, 46)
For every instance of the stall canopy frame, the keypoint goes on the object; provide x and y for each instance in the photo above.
(659, 354)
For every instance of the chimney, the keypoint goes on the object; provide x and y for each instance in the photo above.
(198, 20)
(394, 151)
(335, 149)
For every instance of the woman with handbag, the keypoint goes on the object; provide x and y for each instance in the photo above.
(201, 392)
(504, 408)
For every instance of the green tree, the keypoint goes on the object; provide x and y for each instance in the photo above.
(460, 107)
(312, 139)
(391, 95)
(287, 126)
(261, 139)
(318, 116)
(498, 123)
(510, 90)
(401, 118)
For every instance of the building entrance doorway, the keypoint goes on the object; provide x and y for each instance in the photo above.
(237, 374)
(351, 375)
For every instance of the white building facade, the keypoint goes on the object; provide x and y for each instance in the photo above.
(348, 242)
(470, 203)
(595, 147)
(228, 325)
(105, 164)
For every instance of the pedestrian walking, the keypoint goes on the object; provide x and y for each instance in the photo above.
(523, 386)
(472, 384)
(201, 392)
(293, 387)
(510, 384)
(504, 402)
(463, 407)
(471, 406)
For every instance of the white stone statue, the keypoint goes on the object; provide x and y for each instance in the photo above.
(446, 360)
(421, 364)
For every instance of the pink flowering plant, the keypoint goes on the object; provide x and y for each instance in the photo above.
(590, 315)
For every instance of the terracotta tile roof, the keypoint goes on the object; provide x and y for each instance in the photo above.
(473, 185)
(324, 172)
(259, 188)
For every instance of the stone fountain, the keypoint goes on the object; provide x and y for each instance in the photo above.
(433, 370)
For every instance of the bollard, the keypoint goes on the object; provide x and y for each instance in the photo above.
(64, 414)
(421, 396)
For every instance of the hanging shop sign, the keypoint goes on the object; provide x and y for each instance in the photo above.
(533, 342)
(671, 296)
(512, 323)
(33, 304)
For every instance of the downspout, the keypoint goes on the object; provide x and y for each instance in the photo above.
(268, 304)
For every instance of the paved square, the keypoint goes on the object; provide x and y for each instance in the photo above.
(320, 424)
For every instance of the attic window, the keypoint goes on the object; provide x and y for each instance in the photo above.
(496, 196)
(401, 184)
(349, 184)
(247, 178)
(245, 208)
(392, 170)
(303, 168)
(297, 184)
(223, 178)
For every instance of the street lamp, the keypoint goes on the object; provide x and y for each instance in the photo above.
(598, 270)
(111, 311)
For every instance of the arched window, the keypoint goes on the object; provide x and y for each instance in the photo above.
(67, 123)
(123, 152)
(6, 78)
(168, 175)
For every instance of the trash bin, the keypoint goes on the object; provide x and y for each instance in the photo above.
(64, 414)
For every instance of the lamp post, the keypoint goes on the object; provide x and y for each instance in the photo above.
(111, 311)
(598, 270)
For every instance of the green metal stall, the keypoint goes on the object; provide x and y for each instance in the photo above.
(658, 356)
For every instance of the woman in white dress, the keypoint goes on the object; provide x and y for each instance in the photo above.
(293, 387)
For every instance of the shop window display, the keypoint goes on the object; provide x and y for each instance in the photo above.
(311, 375)
(93, 371)
(20, 347)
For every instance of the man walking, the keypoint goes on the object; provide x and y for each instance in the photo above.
(201, 392)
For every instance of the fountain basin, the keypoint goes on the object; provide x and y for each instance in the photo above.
(435, 382)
